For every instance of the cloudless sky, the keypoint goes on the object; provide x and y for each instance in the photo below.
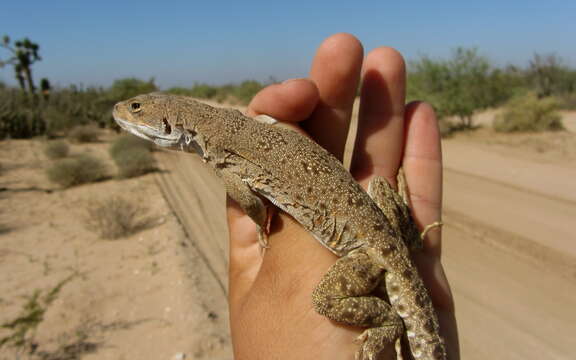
(182, 42)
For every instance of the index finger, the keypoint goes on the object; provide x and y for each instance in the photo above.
(336, 72)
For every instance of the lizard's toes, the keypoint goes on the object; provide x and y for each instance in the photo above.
(374, 346)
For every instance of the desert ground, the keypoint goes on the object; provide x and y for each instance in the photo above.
(509, 252)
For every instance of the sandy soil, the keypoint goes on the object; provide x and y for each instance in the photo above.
(142, 297)
(510, 253)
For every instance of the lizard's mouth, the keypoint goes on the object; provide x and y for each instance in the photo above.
(151, 134)
(176, 139)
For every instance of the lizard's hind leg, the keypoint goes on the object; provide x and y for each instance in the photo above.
(344, 295)
(394, 205)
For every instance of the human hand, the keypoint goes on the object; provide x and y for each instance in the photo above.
(271, 311)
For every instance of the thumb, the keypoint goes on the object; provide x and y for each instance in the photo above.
(245, 253)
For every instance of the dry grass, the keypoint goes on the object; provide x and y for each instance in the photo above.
(75, 171)
(128, 141)
(115, 217)
(84, 134)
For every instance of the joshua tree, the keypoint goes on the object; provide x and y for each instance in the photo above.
(24, 54)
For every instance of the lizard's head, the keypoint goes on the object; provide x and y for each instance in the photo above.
(148, 117)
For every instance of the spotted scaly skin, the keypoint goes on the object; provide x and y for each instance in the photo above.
(371, 234)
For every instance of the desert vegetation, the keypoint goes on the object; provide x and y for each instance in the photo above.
(458, 87)
(468, 82)
(114, 217)
(56, 149)
(133, 156)
(77, 170)
(529, 113)
(31, 314)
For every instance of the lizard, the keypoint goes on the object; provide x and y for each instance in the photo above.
(371, 232)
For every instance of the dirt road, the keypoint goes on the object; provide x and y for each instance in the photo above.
(510, 255)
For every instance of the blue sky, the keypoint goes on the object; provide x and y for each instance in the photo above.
(182, 42)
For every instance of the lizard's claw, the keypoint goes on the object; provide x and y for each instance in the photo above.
(262, 238)
(263, 231)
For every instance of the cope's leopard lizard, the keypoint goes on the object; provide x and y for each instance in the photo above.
(372, 234)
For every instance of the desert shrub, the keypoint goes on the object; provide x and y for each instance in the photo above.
(528, 113)
(114, 217)
(134, 162)
(125, 88)
(84, 134)
(125, 142)
(75, 171)
(56, 149)
(235, 93)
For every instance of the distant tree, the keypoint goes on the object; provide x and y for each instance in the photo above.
(24, 54)
(123, 89)
(550, 76)
(460, 86)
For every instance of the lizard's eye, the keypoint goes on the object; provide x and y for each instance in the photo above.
(167, 127)
(135, 107)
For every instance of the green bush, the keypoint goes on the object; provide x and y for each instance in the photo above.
(198, 90)
(123, 89)
(84, 134)
(134, 162)
(528, 113)
(125, 142)
(114, 217)
(75, 171)
(56, 149)
(459, 86)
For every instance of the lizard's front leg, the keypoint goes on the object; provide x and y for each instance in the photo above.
(344, 295)
(252, 204)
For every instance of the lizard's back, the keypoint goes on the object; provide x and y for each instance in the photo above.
(311, 185)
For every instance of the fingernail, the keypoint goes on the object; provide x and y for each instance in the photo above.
(291, 80)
